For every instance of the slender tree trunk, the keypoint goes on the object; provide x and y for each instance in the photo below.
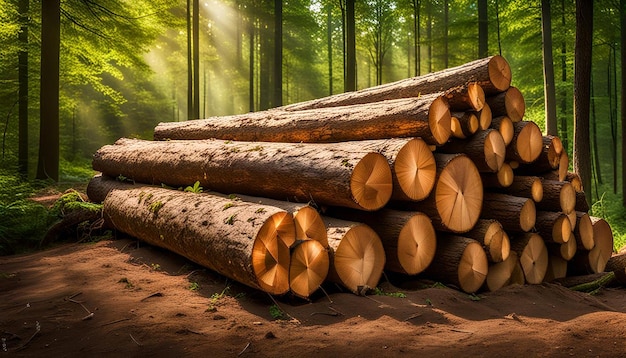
(548, 69)
(445, 34)
(329, 40)
(614, 121)
(196, 59)
(48, 165)
(416, 34)
(498, 28)
(350, 84)
(429, 34)
(189, 65)
(595, 158)
(23, 89)
(582, 81)
(483, 29)
(265, 90)
(251, 34)
(278, 54)
(563, 130)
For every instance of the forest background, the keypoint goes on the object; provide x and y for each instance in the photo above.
(78, 74)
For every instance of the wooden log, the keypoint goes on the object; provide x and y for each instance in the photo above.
(566, 250)
(581, 203)
(500, 180)
(357, 257)
(491, 75)
(553, 226)
(323, 173)
(408, 237)
(583, 232)
(454, 204)
(558, 196)
(563, 166)
(308, 268)
(484, 117)
(463, 124)
(504, 125)
(516, 214)
(517, 277)
(570, 177)
(533, 256)
(523, 186)
(526, 144)
(594, 260)
(549, 158)
(465, 97)
(494, 239)
(460, 261)
(486, 149)
(557, 268)
(499, 274)
(246, 242)
(617, 265)
(509, 103)
(427, 117)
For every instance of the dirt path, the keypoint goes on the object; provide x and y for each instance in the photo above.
(113, 298)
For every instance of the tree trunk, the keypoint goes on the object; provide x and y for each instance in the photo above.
(548, 69)
(533, 256)
(553, 226)
(460, 261)
(492, 75)
(508, 103)
(251, 34)
(308, 268)
(514, 213)
(329, 48)
(558, 196)
(565, 250)
(483, 29)
(325, 174)
(246, 242)
(582, 80)
(48, 164)
(350, 66)
(357, 257)
(504, 125)
(485, 117)
(445, 34)
(527, 142)
(494, 239)
(23, 88)
(278, 54)
(427, 117)
(500, 180)
(557, 268)
(622, 16)
(617, 265)
(196, 59)
(563, 125)
(416, 35)
(190, 74)
(486, 149)
(523, 186)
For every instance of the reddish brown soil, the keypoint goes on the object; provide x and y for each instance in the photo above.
(142, 305)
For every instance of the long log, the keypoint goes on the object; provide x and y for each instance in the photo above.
(558, 196)
(488, 75)
(583, 232)
(617, 264)
(323, 173)
(553, 226)
(427, 117)
(308, 268)
(460, 261)
(594, 260)
(494, 239)
(526, 144)
(557, 268)
(486, 149)
(566, 250)
(533, 256)
(454, 204)
(516, 214)
(524, 186)
(500, 180)
(570, 177)
(509, 103)
(247, 242)
(357, 256)
(484, 117)
(504, 125)
(500, 274)
(581, 203)
(464, 124)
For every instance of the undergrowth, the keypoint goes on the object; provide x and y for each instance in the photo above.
(609, 207)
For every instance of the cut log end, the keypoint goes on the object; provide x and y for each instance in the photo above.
(371, 182)
(505, 175)
(416, 169)
(534, 259)
(459, 194)
(568, 249)
(310, 226)
(485, 117)
(473, 267)
(505, 127)
(500, 73)
(417, 243)
(528, 215)
(495, 150)
(529, 142)
(439, 119)
(476, 96)
(536, 190)
(584, 231)
(270, 253)
(360, 258)
(563, 167)
(562, 230)
(462, 127)
(499, 246)
(499, 274)
(308, 268)
(557, 268)
(567, 198)
(603, 249)
(515, 105)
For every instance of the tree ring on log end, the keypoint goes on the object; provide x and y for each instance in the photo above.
(473, 267)
(514, 104)
(584, 229)
(499, 274)
(416, 169)
(528, 215)
(485, 117)
(459, 194)
(439, 118)
(495, 150)
(500, 73)
(529, 143)
(603, 249)
(417, 243)
(270, 253)
(476, 96)
(310, 226)
(568, 249)
(505, 175)
(561, 230)
(360, 258)
(308, 268)
(506, 128)
(567, 198)
(371, 182)
(534, 259)
(499, 246)
(536, 190)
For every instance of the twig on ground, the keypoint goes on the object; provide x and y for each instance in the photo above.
(412, 316)
(134, 340)
(244, 349)
(326, 294)
(114, 322)
(156, 294)
(37, 330)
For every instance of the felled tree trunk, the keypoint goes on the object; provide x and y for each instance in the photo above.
(322, 173)
(533, 256)
(523, 186)
(516, 214)
(509, 103)
(583, 232)
(502, 179)
(594, 260)
(500, 274)
(558, 196)
(617, 264)
(526, 144)
(557, 268)
(553, 226)
(246, 242)
(486, 149)
(504, 125)
(464, 124)
(493, 238)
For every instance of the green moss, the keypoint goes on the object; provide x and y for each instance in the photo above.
(155, 206)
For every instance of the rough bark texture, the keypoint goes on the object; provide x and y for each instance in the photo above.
(246, 242)
(533, 256)
(516, 214)
(509, 103)
(493, 238)
(321, 173)
(500, 274)
(558, 196)
(557, 268)
(464, 124)
(581, 202)
(427, 117)
(493, 74)
(523, 186)
(553, 226)
(486, 149)
(526, 144)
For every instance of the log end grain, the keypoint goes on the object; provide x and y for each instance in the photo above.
(416, 169)
(561, 230)
(567, 198)
(417, 244)
(495, 150)
(514, 103)
(603, 249)
(371, 182)
(476, 96)
(499, 73)
(485, 117)
(310, 226)
(499, 246)
(568, 249)
(536, 190)
(505, 175)
(557, 268)
(308, 268)
(473, 268)
(529, 142)
(584, 231)
(528, 215)
(439, 120)
(504, 125)
(499, 274)
(563, 167)
(534, 259)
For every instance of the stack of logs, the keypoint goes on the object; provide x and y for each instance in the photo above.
(437, 176)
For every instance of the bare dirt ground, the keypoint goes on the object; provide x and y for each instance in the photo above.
(124, 298)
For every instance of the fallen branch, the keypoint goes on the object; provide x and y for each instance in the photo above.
(156, 294)
(116, 321)
(244, 349)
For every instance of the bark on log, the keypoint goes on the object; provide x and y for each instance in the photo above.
(548, 159)
(308, 268)
(516, 214)
(323, 173)
(583, 232)
(463, 124)
(557, 268)
(509, 103)
(491, 74)
(454, 204)
(617, 264)
(460, 261)
(427, 117)
(494, 239)
(553, 226)
(558, 196)
(526, 144)
(523, 186)
(502, 179)
(484, 117)
(357, 257)
(409, 238)
(500, 274)
(533, 256)
(594, 260)
(581, 203)
(570, 177)
(486, 149)
(504, 125)
(247, 242)
(566, 250)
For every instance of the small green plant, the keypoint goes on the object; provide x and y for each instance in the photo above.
(258, 148)
(228, 206)
(474, 297)
(230, 220)
(194, 286)
(346, 163)
(276, 312)
(125, 280)
(228, 142)
(233, 197)
(155, 207)
(121, 178)
(260, 210)
(429, 302)
(196, 188)
(155, 267)
(379, 292)
(438, 285)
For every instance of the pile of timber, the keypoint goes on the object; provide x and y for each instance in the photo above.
(437, 176)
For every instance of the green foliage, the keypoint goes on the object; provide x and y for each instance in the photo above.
(196, 188)
(194, 286)
(127, 284)
(155, 206)
(379, 292)
(276, 312)
(610, 208)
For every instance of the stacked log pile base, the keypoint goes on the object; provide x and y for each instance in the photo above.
(323, 173)
(426, 116)
(493, 238)
(533, 256)
(247, 242)
(500, 274)
(594, 260)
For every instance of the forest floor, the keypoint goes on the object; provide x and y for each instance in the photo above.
(121, 297)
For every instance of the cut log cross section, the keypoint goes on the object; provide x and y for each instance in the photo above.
(308, 269)
(461, 261)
